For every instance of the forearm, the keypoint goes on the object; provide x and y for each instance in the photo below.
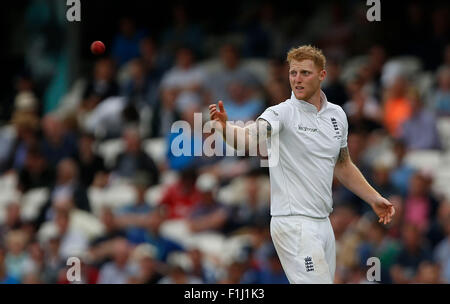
(246, 138)
(350, 176)
(236, 136)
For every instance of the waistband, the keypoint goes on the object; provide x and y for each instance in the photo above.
(303, 215)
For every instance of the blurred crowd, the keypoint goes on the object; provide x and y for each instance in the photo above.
(97, 177)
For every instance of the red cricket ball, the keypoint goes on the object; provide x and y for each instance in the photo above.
(97, 48)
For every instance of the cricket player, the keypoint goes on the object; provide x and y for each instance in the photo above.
(312, 140)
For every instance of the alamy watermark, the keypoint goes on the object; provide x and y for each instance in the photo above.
(73, 273)
(74, 11)
(374, 12)
(374, 272)
(261, 145)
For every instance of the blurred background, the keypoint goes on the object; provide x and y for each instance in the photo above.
(86, 168)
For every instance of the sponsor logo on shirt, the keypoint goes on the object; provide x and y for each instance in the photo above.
(306, 129)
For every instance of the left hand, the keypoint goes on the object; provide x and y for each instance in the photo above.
(384, 209)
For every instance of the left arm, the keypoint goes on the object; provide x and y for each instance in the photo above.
(350, 176)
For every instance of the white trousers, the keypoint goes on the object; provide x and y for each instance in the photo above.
(306, 248)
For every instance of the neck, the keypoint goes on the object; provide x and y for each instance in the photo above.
(315, 100)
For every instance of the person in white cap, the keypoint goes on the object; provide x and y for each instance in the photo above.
(312, 137)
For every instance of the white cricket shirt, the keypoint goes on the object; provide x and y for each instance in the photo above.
(309, 145)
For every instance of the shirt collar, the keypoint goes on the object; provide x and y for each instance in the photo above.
(306, 106)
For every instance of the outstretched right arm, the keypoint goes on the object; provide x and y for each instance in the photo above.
(239, 137)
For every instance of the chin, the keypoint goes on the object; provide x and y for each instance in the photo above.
(300, 96)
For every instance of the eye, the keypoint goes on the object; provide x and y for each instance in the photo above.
(306, 73)
(293, 73)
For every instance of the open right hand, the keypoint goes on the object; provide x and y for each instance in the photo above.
(219, 115)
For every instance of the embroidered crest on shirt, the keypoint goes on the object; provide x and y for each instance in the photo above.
(336, 128)
(309, 265)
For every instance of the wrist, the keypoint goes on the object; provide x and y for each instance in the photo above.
(374, 199)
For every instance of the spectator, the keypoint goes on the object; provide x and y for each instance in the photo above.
(54, 262)
(234, 273)
(26, 126)
(333, 87)
(164, 246)
(377, 59)
(362, 109)
(428, 273)
(150, 271)
(68, 184)
(208, 214)
(231, 70)
(414, 251)
(271, 271)
(244, 104)
(181, 197)
(181, 32)
(165, 113)
(141, 206)
(402, 172)
(396, 107)
(436, 232)
(35, 265)
(420, 206)
(57, 143)
(379, 244)
(381, 182)
(442, 251)
(183, 146)
(101, 247)
(12, 220)
(140, 87)
(184, 76)
(179, 271)
(201, 267)
(277, 91)
(102, 85)
(419, 132)
(5, 277)
(72, 241)
(134, 159)
(16, 256)
(253, 210)
(126, 43)
(264, 37)
(154, 64)
(119, 270)
(89, 163)
(440, 99)
(36, 173)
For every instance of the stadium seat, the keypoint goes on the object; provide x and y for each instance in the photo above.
(258, 67)
(443, 126)
(154, 195)
(176, 230)
(114, 196)
(426, 160)
(210, 243)
(441, 180)
(156, 148)
(110, 149)
(32, 201)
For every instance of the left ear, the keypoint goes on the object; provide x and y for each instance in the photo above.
(322, 75)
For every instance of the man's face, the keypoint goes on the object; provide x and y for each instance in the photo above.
(305, 78)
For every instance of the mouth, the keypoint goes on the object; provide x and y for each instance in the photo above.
(299, 88)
